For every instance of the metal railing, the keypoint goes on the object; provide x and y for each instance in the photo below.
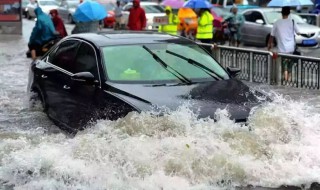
(262, 67)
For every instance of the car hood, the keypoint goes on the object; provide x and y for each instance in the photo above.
(204, 98)
(307, 28)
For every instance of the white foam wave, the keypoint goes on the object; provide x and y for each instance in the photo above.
(174, 151)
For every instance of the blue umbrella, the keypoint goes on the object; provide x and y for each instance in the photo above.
(90, 11)
(197, 4)
(289, 3)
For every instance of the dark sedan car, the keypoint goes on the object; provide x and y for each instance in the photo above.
(89, 76)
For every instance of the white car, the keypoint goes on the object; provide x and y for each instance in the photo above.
(152, 10)
(259, 22)
(45, 5)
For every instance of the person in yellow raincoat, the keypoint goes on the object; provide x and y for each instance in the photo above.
(205, 26)
(173, 21)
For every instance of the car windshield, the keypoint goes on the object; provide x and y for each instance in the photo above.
(272, 17)
(48, 3)
(140, 66)
(153, 9)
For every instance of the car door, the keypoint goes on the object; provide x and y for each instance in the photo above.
(254, 27)
(82, 92)
(57, 81)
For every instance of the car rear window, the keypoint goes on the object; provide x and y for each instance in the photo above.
(134, 63)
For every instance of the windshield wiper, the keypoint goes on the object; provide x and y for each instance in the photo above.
(166, 66)
(197, 64)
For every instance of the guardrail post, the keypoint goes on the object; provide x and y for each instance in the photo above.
(269, 72)
(216, 53)
(251, 67)
(299, 70)
(234, 58)
(278, 70)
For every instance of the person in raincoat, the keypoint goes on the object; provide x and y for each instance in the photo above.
(86, 27)
(173, 21)
(137, 17)
(235, 23)
(42, 33)
(205, 26)
(58, 23)
(188, 22)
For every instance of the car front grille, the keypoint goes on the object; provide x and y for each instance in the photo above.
(310, 35)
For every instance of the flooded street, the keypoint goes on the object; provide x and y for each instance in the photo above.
(280, 146)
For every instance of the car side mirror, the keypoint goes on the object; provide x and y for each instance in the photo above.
(84, 77)
(260, 21)
(233, 71)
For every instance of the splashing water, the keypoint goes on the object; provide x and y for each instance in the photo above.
(174, 151)
(279, 146)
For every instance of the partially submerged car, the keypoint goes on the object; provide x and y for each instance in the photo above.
(107, 75)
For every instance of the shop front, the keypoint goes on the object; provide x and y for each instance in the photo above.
(10, 17)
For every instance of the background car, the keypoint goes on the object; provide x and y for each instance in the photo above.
(66, 10)
(24, 8)
(87, 77)
(259, 22)
(152, 9)
(45, 5)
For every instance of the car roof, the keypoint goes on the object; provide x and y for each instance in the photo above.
(102, 39)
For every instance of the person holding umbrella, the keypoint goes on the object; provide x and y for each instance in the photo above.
(205, 20)
(87, 17)
(205, 26)
(283, 30)
(172, 26)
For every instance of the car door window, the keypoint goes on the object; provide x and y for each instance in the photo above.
(229, 2)
(253, 16)
(85, 60)
(257, 16)
(248, 16)
(65, 54)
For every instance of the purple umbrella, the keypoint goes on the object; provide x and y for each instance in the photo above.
(175, 4)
